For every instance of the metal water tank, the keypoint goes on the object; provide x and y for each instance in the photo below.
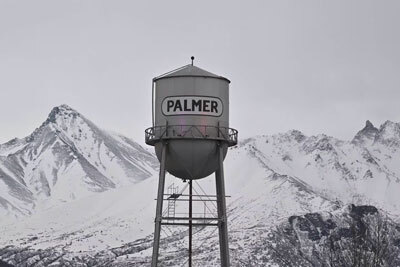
(191, 114)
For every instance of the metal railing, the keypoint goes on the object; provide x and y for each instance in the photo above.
(158, 133)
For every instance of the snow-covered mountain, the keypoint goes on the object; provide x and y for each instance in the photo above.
(365, 170)
(67, 158)
(274, 181)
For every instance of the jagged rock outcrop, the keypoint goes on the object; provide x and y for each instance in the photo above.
(352, 236)
(367, 135)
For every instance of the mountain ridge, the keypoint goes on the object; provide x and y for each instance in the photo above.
(270, 178)
(68, 144)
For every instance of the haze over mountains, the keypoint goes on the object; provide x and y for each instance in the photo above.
(80, 192)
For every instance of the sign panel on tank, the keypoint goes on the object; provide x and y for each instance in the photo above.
(192, 105)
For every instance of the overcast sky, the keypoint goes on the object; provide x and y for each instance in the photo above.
(315, 66)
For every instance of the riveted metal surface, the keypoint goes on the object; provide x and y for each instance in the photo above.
(191, 112)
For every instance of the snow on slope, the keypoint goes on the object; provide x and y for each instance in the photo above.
(67, 158)
(91, 224)
(270, 178)
(340, 170)
(98, 221)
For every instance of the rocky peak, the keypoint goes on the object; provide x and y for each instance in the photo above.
(297, 135)
(389, 133)
(369, 124)
(61, 111)
(390, 127)
(320, 142)
(66, 158)
(62, 116)
(367, 135)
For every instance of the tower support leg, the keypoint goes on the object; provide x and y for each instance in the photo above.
(221, 205)
(160, 197)
(190, 221)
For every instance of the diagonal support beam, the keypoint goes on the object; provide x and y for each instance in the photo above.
(221, 205)
(158, 219)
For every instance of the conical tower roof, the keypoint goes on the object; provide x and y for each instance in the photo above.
(189, 71)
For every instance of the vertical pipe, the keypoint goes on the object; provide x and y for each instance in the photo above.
(221, 206)
(160, 197)
(190, 220)
(152, 102)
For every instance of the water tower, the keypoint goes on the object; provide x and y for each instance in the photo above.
(191, 136)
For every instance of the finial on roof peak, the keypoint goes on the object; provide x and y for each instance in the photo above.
(192, 58)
